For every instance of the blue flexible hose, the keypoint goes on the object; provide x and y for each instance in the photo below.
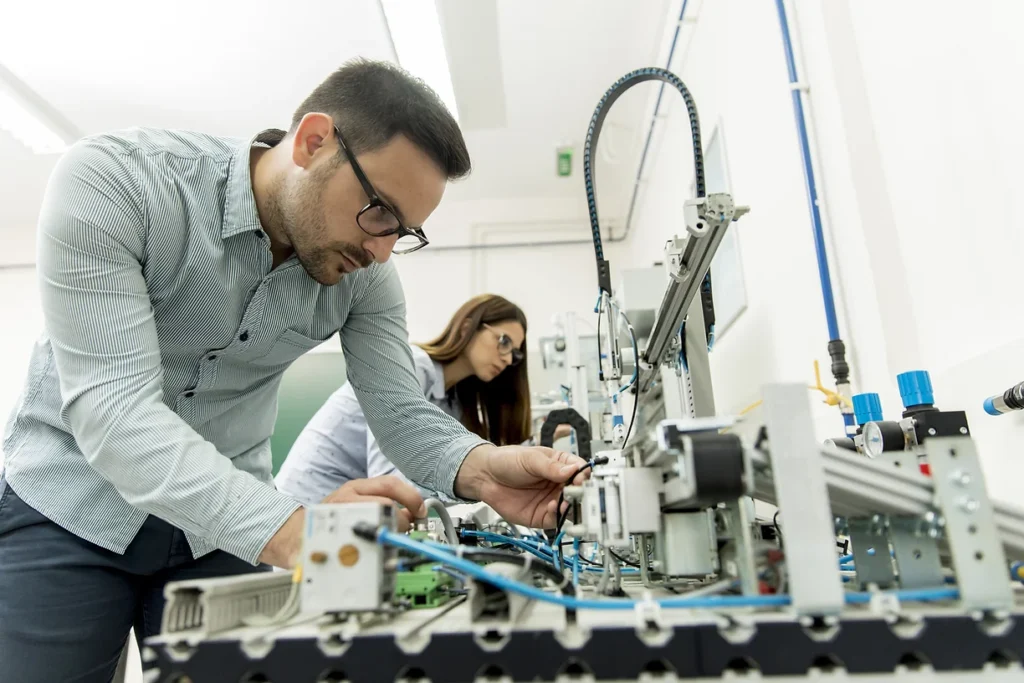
(386, 537)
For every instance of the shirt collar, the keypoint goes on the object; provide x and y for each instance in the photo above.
(436, 387)
(240, 212)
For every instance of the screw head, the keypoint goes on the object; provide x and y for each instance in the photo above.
(969, 505)
(931, 431)
(960, 478)
(963, 430)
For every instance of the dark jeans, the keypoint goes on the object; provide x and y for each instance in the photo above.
(66, 605)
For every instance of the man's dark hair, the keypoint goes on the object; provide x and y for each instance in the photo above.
(372, 102)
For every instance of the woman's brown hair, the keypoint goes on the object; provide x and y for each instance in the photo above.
(499, 410)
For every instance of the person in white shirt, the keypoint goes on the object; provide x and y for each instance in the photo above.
(475, 371)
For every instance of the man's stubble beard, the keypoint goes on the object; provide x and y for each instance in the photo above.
(298, 212)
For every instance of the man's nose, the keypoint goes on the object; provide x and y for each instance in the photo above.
(380, 247)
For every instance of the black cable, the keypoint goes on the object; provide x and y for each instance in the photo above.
(590, 147)
(560, 519)
(484, 555)
(623, 560)
(600, 356)
(775, 523)
(636, 400)
(582, 559)
(636, 370)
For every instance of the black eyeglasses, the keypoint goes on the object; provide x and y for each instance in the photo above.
(378, 218)
(506, 346)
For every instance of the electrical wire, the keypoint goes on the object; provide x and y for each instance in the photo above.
(576, 562)
(636, 349)
(521, 544)
(713, 588)
(449, 526)
(622, 560)
(388, 537)
(541, 550)
(560, 517)
(476, 556)
(288, 609)
(557, 546)
(599, 309)
(632, 420)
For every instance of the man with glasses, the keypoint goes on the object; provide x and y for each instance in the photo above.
(180, 275)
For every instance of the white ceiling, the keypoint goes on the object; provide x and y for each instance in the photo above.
(234, 67)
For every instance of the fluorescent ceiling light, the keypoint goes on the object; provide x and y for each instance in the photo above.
(27, 128)
(419, 46)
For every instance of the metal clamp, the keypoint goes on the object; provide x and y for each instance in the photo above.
(647, 613)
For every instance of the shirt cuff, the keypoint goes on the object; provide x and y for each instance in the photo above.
(448, 466)
(256, 512)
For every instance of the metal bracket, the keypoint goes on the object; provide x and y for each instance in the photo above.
(871, 551)
(802, 496)
(903, 460)
(960, 493)
(740, 513)
(917, 554)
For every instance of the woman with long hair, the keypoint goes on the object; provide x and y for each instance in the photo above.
(475, 371)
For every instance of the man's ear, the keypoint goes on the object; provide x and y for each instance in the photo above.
(313, 133)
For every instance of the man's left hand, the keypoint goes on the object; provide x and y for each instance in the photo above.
(521, 483)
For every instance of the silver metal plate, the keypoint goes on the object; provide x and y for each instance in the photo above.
(916, 554)
(800, 488)
(978, 558)
(871, 552)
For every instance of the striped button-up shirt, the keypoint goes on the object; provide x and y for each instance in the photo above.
(335, 446)
(154, 387)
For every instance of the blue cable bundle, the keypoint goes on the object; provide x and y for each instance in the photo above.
(446, 557)
(538, 549)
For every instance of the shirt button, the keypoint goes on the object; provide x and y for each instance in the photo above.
(189, 394)
(244, 336)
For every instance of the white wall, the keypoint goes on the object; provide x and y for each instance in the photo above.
(943, 115)
(745, 90)
(543, 281)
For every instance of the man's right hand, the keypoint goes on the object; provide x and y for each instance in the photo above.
(284, 547)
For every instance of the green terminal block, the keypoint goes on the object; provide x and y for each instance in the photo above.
(423, 587)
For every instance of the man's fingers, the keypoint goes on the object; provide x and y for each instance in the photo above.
(550, 518)
(567, 470)
(582, 477)
(404, 520)
(394, 488)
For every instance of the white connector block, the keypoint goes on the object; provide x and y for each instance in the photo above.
(342, 572)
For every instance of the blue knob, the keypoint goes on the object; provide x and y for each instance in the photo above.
(867, 408)
(915, 388)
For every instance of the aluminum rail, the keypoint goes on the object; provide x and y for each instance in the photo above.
(859, 486)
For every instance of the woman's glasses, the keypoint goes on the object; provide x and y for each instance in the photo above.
(506, 346)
